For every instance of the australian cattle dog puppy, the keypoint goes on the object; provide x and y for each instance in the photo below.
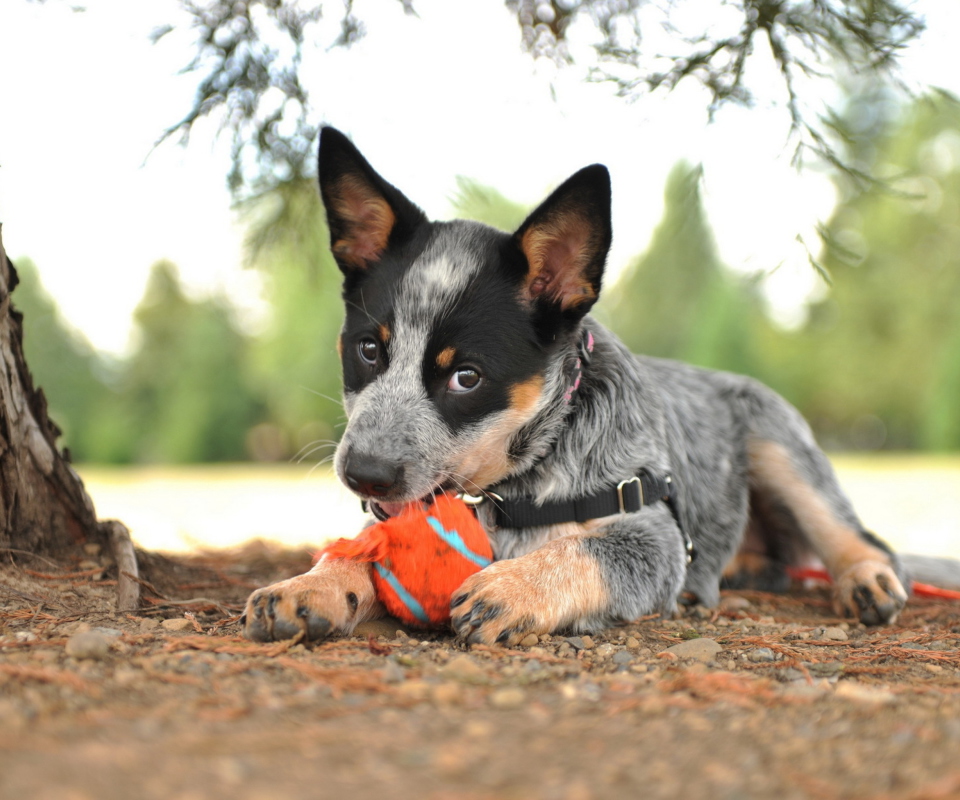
(611, 485)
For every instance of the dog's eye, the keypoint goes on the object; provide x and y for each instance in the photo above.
(463, 380)
(369, 350)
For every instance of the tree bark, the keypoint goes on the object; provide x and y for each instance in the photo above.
(44, 507)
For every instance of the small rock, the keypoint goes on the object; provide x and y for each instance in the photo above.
(447, 693)
(112, 632)
(565, 650)
(465, 670)
(575, 642)
(508, 697)
(632, 643)
(587, 643)
(934, 668)
(867, 695)
(835, 634)
(761, 654)
(149, 624)
(530, 640)
(89, 644)
(942, 644)
(702, 649)
(622, 657)
(414, 690)
(176, 624)
(606, 649)
(789, 675)
(733, 602)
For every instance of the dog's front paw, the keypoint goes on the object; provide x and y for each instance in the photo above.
(870, 591)
(549, 589)
(332, 598)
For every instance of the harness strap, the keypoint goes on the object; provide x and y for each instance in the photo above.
(626, 497)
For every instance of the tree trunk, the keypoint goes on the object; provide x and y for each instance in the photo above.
(44, 507)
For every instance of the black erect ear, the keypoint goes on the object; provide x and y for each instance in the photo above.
(566, 242)
(364, 212)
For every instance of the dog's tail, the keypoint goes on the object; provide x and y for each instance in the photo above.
(944, 573)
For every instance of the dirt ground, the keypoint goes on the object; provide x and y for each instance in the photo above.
(767, 696)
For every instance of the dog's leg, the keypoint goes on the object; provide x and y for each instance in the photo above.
(333, 597)
(621, 569)
(864, 570)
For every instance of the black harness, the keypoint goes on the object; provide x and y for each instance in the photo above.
(627, 497)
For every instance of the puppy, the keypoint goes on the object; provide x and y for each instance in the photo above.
(611, 485)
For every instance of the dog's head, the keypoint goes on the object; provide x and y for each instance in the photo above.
(455, 334)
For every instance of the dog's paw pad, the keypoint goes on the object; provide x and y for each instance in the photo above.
(871, 592)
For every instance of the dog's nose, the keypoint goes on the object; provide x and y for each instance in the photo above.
(371, 476)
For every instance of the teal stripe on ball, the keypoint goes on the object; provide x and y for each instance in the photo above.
(453, 538)
(405, 597)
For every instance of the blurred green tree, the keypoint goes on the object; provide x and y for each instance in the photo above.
(76, 380)
(187, 395)
(473, 200)
(677, 300)
(879, 359)
(294, 360)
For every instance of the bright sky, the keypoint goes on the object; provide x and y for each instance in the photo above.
(84, 96)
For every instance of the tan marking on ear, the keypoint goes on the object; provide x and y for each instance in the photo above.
(850, 559)
(554, 587)
(487, 461)
(558, 252)
(368, 217)
(445, 357)
(384, 333)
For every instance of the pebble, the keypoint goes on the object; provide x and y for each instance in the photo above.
(565, 650)
(622, 657)
(835, 634)
(176, 624)
(587, 643)
(632, 643)
(735, 603)
(530, 640)
(702, 649)
(448, 693)
(789, 675)
(149, 624)
(89, 644)
(465, 670)
(761, 654)
(575, 642)
(606, 649)
(866, 695)
(508, 697)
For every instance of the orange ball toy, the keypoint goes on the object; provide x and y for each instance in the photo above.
(420, 557)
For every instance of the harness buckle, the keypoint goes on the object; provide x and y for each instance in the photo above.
(474, 500)
(635, 479)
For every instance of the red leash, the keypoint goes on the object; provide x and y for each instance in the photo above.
(919, 589)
